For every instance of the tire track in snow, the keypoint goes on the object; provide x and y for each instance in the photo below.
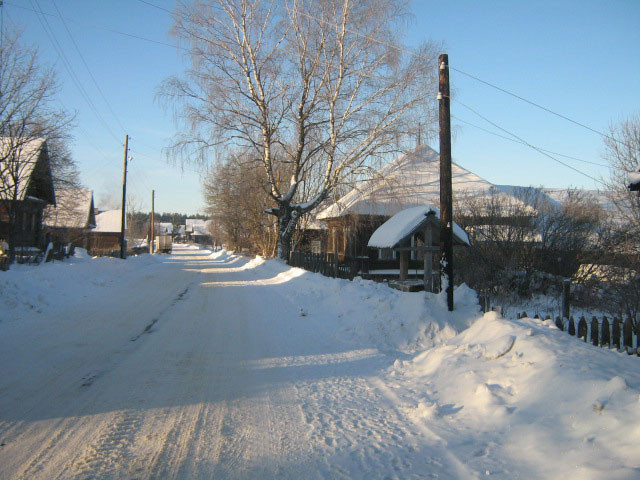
(107, 457)
(37, 463)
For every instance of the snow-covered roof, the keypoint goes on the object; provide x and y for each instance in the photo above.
(192, 223)
(74, 209)
(164, 227)
(19, 166)
(202, 228)
(406, 222)
(413, 179)
(109, 221)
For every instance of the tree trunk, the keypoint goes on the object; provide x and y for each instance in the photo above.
(287, 221)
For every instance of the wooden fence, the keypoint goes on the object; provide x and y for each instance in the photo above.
(618, 333)
(326, 264)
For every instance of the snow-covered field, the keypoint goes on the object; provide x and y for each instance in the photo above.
(209, 365)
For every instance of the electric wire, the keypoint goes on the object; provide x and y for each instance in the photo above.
(503, 90)
(65, 62)
(381, 42)
(541, 107)
(104, 29)
(155, 6)
(539, 150)
(88, 69)
(410, 52)
(523, 143)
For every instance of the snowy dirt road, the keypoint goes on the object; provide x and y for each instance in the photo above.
(198, 366)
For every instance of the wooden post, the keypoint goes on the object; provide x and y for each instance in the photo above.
(153, 222)
(566, 293)
(446, 202)
(428, 259)
(404, 264)
(123, 248)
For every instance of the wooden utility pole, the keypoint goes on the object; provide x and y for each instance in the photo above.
(446, 203)
(153, 222)
(123, 247)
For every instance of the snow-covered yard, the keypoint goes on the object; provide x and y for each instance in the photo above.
(209, 365)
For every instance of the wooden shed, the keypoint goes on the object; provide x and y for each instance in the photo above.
(415, 229)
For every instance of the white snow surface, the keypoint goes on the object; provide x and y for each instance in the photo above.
(210, 365)
(109, 221)
(394, 230)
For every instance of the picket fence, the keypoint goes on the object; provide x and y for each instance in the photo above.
(617, 333)
(325, 264)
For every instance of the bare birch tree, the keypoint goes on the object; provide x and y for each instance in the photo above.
(315, 88)
(622, 151)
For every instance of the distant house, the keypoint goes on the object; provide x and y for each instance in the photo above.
(164, 228)
(198, 230)
(105, 238)
(179, 234)
(26, 188)
(73, 217)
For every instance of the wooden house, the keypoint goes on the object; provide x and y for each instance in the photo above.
(73, 217)
(105, 238)
(413, 179)
(26, 188)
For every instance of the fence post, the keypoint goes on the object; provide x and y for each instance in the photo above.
(572, 327)
(616, 333)
(627, 335)
(560, 324)
(594, 331)
(566, 294)
(606, 333)
(582, 328)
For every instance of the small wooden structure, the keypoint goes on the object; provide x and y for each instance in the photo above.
(415, 229)
(105, 238)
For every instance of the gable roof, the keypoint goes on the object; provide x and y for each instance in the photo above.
(109, 221)
(25, 166)
(74, 209)
(412, 179)
(407, 222)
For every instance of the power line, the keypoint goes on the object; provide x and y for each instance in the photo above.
(410, 52)
(539, 150)
(87, 67)
(548, 110)
(523, 143)
(67, 65)
(105, 29)
(155, 6)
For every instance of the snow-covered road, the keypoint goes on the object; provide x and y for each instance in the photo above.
(210, 365)
(198, 367)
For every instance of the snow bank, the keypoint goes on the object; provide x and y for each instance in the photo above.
(546, 405)
(37, 289)
(365, 310)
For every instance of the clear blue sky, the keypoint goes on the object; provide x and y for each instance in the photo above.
(579, 58)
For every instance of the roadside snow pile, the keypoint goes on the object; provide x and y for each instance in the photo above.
(365, 310)
(28, 289)
(532, 398)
